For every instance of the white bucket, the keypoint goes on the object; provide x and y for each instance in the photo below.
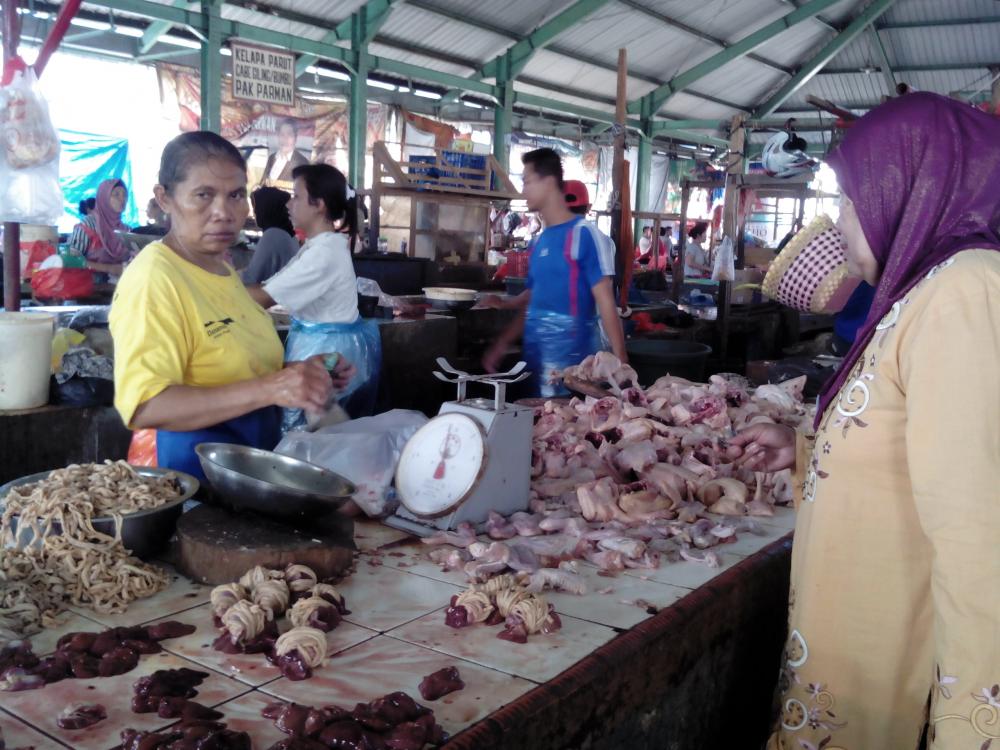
(25, 359)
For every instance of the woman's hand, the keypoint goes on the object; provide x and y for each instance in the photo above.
(342, 373)
(764, 447)
(302, 385)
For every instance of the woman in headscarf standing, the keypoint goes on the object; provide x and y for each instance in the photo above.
(95, 237)
(894, 625)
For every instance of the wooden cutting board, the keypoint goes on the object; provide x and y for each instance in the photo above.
(217, 545)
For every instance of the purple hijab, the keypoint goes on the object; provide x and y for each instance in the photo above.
(923, 172)
(108, 221)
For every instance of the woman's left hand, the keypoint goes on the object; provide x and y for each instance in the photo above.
(342, 372)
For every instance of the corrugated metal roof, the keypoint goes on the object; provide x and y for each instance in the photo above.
(665, 38)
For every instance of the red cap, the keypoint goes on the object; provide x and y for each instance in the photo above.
(576, 193)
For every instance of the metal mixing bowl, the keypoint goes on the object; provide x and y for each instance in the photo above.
(270, 483)
(145, 532)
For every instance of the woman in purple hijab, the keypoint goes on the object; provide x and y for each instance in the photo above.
(96, 238)
(894, 620)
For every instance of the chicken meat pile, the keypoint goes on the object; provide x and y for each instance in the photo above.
(632, 480)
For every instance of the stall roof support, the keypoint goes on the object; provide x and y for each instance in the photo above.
(155, 30)
(211, 67)
(890, 77)
(827, 53)
(502, 117)
(372, 15)
(509, 65)
(658, 96)
(642, 174)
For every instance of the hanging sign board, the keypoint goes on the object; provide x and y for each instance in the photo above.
(263, 75)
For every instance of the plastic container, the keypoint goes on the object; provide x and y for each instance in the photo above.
(25, 367)
(654, 358)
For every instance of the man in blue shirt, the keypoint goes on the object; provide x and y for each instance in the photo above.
(566, 282)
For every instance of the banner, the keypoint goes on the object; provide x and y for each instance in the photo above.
(274, 138)
(86, 160)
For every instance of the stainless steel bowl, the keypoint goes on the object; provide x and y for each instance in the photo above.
(270, 483)
(145, 532)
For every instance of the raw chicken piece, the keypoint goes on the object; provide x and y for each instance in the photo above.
(555, 487)
(670, 481)
(759, 506)
(551, 545)
(782, 494)
(635, 431)
(498, 527)
(449, 558)
(607, 560)
(639, 500)
(636, 457)
(708, 558)
(522, 558)
(526, 524)
(650, 560)
(555, 465)
(549, 425)
(598, 500)
(560, 580)
(605, 414)
(715, 490)
(463, 536)
(632, 548)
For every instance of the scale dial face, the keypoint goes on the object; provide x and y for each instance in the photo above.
(440, 465)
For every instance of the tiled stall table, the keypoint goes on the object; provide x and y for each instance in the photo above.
(682, 656)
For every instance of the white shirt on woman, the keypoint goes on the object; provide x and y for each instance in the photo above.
(319, 284)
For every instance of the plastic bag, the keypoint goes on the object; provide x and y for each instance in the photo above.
(29, 169)
(142, 449)
(33, 254)
(724, 268)
(553, 342)
(364, 451)
(370, 288)
(62, 283)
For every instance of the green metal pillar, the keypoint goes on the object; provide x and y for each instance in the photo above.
(211, 66)
(357, 139)
(502, 115)
(642, 170)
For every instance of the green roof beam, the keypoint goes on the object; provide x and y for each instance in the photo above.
(890, 76)
(827, 53)
(363, 23)
(509, 65)
(893, 25)
(155, 30)
(658, 96)
(937, 68)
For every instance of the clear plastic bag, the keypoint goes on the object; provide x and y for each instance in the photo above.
(364, 451)
(370, 288)
(724, 268)
(29, 167)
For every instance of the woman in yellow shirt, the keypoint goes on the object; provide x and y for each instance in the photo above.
(196, 358)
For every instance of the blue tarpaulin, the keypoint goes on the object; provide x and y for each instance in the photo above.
(87, 159)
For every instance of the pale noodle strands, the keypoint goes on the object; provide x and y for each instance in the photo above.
(57, 555)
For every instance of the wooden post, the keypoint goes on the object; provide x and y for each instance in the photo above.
(730, 224)
(618, 164)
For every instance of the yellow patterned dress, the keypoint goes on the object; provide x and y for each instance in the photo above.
(895, 602)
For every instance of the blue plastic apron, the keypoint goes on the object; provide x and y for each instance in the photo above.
(359, 342)
(555, 341)
(258, 429)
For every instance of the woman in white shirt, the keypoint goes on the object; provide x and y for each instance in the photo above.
(319, 287)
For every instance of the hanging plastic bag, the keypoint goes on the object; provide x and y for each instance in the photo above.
(724, 268)
(364, 451)
(29, 167)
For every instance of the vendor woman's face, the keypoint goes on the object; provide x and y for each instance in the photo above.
(861, 261)
(117, 199)
(209, 207)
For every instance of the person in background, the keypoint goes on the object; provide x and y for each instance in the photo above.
(567, 285)
(159, 222)
(277, 244)
(695, 256)
(95, 237)
(645, 252)
(195, 358)
(281, 162)
(320, 289)
(87, 206)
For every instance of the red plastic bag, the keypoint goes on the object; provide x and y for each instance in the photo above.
(62, 283)
(32, 256)
(142, 449)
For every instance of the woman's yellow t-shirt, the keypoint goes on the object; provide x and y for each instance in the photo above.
(174, 323)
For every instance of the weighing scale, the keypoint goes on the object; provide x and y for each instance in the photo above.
(473, 458)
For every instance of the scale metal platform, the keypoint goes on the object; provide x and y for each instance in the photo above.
(473, 458)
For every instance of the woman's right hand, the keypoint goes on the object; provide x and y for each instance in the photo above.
(763, 447)
(302, 385)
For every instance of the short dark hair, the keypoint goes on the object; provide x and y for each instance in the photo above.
(329, 184)
(546, 163)
(698, 230)
(87, 204)
(290, 122)
(197, 146)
